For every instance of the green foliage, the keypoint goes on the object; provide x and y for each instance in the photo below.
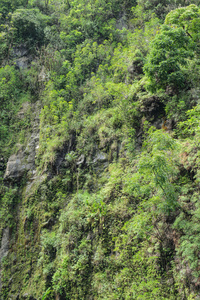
(55, 118)
(88, 21)
(161, 8)
(158, 162)
(4, 46)
(29, 26)
(186, 18)
(8, 201)
(190, 127)
(166, 61)
(174, 46)
(7, 6)
(188, 225)
(10, 85)
(47, 294)
(112, 211)
(11, 99)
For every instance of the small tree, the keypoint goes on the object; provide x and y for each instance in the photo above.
(188, 18)
(169, 54)
(29, 25)
(158, 163)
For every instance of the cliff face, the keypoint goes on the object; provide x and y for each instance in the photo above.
(99, 150)
(23, 162)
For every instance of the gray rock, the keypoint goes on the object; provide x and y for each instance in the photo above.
(34, 182)
(24, 160)
(122, 22)
(22, 62)
(80, 160)
(21, 56)
(100, 157)
(4, 243)
(15, 166)
(44, 75)
(20, 51)
(4, 248)
(25, 107)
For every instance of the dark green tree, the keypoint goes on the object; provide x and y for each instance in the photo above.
(168, 57)
(29, 26)
(188, 18)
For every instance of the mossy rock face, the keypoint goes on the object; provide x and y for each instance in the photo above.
(19, 268)
(5, 241)
(22, 163)
(99, 155)
(16, 166)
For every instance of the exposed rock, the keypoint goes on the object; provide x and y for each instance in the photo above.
(20, 51)
(25, 295)
(24, 109)
(22, 62)
(48, 224)
(4, 247)
(100, 157)
(24, 160)
(99, 161)
(4, 243)
(60, 161)
(80, 160)
(44, 75)
(21, 56)
(34, 182)
(122, 22)
(31, 150)
(15, 166)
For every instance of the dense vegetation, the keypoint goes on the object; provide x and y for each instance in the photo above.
(113, 209)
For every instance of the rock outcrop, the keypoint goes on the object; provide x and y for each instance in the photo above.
(4, 247)
(21, 57)
(24, 160)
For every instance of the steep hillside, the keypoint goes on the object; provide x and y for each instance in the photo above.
(99, 149)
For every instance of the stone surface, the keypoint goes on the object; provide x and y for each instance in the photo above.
(22, 62)
(20, 51)
(25, 107)
(4, 247)
(80, 160)
(4, 243)
(21, 57)
(100, 157)
(15, 166)
(24, 160)
(122, 22)
(44, 75)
